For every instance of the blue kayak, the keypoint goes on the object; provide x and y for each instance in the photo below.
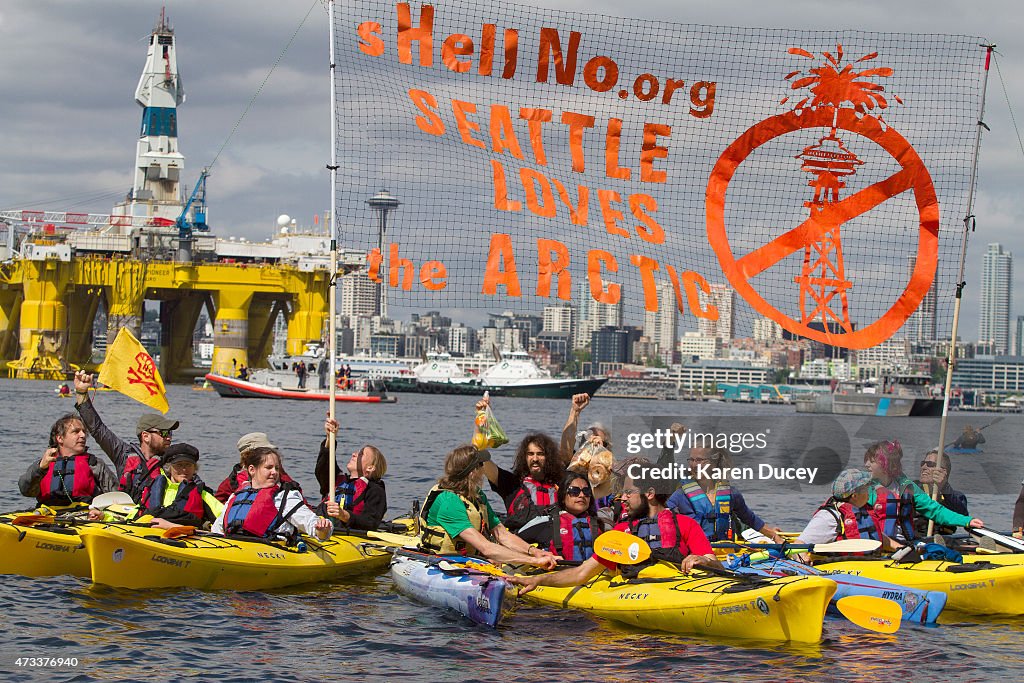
(964, 451)
(919, 607)
(454, 582)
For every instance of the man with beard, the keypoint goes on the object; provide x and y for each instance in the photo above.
(672, 537)
(136, 464)
(530, 490)
(67, 473)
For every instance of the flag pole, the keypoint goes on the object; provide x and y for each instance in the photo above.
(332, 224)
(960, 284)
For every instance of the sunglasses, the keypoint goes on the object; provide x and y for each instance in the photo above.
(166, 433)
(579, 491)
(929, 463)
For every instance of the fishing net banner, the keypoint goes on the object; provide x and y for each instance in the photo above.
(815, 178)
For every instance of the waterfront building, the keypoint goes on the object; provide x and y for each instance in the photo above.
(613, 345)
(766, 330)
(995, 300)
(707, 374)
(992, 374)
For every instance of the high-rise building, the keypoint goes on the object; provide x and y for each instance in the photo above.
(766, 330)
(920, 326)
(662, 326)
(593, 316)
(357, 295)
(1018, 338)
(722, 298)
(996, 286)
(558, 318)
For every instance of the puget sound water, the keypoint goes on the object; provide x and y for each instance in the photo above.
(361, 628)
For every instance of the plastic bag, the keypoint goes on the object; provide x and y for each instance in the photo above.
(487, 433)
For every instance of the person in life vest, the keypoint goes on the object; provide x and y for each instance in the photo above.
(67, 473)
(578, 523)
(135, 464)
(673, 537)
(265, 508)
(895, 501)
(359, 500)
(457, 518)
(969, 438)
(935, 470)
(177, 497)
(530, 490)
(845, 514)
(238, 475)
(573, 440)
(708, 498)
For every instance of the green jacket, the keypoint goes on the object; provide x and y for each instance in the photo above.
(924, 506)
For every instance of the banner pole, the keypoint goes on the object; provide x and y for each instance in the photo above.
(960, 284)
(332, 223)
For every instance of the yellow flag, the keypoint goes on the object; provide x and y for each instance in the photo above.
(131, 371)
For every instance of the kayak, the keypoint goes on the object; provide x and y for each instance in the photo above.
(453, 582)
(134, 557)
(662, 598)
(46, 548)
(964, 451)
(976, 586)
(919, 606)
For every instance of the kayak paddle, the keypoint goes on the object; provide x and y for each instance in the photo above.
(871, 613)
(621, 548)
(846, 545)
(1007, 542)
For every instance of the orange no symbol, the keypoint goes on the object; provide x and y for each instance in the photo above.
(741, 270)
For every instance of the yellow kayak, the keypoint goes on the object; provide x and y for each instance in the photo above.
(129, 557)
(981, 584)
(662, 598)
(41, 548)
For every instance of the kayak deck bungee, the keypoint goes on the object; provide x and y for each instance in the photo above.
(49, 548)
(128, 557)
(790, 608)
(975, 586)
(918, 606)
(454, 582)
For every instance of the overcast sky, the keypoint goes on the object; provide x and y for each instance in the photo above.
(69, 123)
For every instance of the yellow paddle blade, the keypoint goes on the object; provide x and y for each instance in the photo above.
(29, 520)
(400, 540)
(621, 548)
(874, 614)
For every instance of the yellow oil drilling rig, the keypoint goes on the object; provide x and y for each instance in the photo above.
(58, 268)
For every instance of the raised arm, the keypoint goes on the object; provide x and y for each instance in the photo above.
(566, 448)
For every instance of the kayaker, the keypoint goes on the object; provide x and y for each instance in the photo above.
(969, 438)
(178, 497)
(673, 538)
(361, 488)
(134, 464)
(896, 501)
(457, 517)
(578, 522)
(67, 473)
(573, 440)
(845, 514)
(935, 470)
(719, 519)
(266, 508)
(238, 475)
(530, 490)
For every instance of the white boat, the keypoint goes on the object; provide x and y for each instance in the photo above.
(517, 374)
(439, 366)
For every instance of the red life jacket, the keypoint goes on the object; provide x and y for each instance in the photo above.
(576, 537)
(188, 499)
(851, 522)
(240, 478)
(68, 480)
(352, 492)
(253, 512)
(533, 491)
(139, 474)
(891, 511)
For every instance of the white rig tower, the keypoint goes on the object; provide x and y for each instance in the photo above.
(156, 192)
